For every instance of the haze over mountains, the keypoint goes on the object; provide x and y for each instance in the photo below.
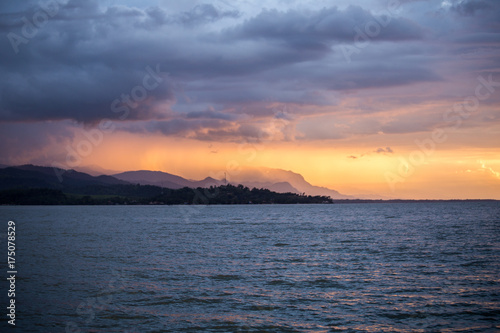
(276, 180)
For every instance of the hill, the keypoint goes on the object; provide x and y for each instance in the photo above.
(276, 180)
(31, 176)
(35, 185)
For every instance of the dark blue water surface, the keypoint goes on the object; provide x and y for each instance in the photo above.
(405, 267)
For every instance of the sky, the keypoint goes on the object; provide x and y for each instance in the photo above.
(396, 98)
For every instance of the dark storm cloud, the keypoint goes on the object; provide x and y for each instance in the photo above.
(183, 126)
(89, 61)
(153, 17)
(484, 38)
(83, 58)
(470, 7)
(312, 29)
(211, 115)
(379, 75)
(206, 13)
(83, 95)
(65, 69)
(201, 127)
(250, 133)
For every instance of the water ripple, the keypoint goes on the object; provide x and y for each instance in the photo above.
(432, 267)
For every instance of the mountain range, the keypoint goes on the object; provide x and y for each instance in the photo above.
(31, 176)
(276, 180)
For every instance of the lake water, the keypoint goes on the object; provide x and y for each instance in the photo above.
(417, 267)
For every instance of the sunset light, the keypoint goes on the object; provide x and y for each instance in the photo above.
(250, 166)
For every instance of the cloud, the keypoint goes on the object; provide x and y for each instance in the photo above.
(87, 55)
(178, 127)
(39, 143)
(204, 13)
(223, 71)
(315, 29)
(212, 115)
(484, 167)
(386, 150)
(470, 7)
(284, 114)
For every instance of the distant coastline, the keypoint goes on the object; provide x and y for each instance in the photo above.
(153, 195)
(354, 201)
(136, 195)
(35, 185)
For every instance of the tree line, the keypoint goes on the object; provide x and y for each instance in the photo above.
(148, 194)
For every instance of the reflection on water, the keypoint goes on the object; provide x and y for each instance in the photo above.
(323, 268)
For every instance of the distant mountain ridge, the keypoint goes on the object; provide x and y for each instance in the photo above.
(276, 180)
(31, 176)
(163, 179)
(296, 180)
(156, 178)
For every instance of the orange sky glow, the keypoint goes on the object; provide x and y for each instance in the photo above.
(353, 167)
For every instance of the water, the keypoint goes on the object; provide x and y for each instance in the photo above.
(418, 267)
